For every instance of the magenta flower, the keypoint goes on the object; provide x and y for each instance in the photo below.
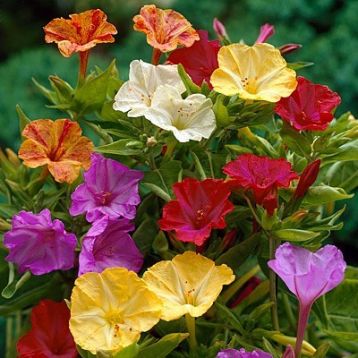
(38, 244)
(234, 353)
(114, 247)
(308, 275)
(110, 189)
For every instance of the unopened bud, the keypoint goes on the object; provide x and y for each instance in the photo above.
(266, 31)
(307, 178)
(285, 49)
(289, 352)
(219, 29)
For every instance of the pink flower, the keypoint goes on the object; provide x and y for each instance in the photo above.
(199, 60)
(38, 244)
(242, 353)
(262, 176)
(200, 206)
(309, 107)
(308, 275)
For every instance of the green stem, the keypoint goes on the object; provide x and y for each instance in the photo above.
(273, 286)
(190, 324)
(288, 309)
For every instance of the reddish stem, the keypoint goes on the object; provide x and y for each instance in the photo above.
(83, 65)
(304, 313)
(156, 56)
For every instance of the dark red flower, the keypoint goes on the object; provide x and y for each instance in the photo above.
(307, 178)
(309, 107)
(50, 334)
(200, 206)
(199, 60)
(262, 175)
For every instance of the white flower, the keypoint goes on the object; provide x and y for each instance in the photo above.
(136, 94)
(191, 118)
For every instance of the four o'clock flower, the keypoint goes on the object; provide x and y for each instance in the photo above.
(200, 206)
(38, 244)
(262, 176)
(199, 60)
(257, 72)
(242, 353)
(109, 191)
(308, 275)
(50, 335)
(112, 248)
(191, 118)
(309, 107)
(137, 93)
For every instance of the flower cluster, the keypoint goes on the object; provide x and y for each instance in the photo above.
(210, 174)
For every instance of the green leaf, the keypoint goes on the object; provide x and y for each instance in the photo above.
(14, 284)
(237, 255)
(131, 351)
(346, 152)
(343, 175)
(163, 347)
(323, 194)
(24, 120)
(145, 234)
(190, 86)
(230, 317)
(157, 191)
(294, 235)
(298, 65)
(296, 141)
(122, 147)
(198, 166)
(322, 351)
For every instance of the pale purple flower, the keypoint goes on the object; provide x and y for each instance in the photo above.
(113, 247)
(266, 31)
(109, 189)
(308, 275)
(234, 353)
(38, 244)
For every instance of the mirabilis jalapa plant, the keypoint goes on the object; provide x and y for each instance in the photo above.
(195, 222)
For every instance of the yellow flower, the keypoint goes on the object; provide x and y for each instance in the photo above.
(189, 284)
(109, 310)
(257, 72)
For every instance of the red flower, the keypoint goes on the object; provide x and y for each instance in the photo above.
(309, 107)
(262, 175)
(307, 178)
(199, 60)
(200, 206)
(50, 334)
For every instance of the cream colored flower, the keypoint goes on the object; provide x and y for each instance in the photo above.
(109, 310)
(257, 72)
(191, 118)
(188, 284)
(136, 94)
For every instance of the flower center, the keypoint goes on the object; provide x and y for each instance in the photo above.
(189, 294)
(103, 198)
(250, 84)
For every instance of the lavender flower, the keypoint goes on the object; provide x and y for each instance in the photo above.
(38, 244)
(109, 189)
(308, 275)
(234, 353)
(113, 247)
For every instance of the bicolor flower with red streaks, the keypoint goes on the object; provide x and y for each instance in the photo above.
(57, 144)
(199, 60)
(262, 176)
(199, 207)
(80, 32)
(165, 29)
(309, 107)
(50, 335)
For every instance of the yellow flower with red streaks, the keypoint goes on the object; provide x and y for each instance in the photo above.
(57, 144)
(80, 32)
(165, 29)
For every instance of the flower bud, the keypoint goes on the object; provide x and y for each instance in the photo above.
(307, 178)
(289, 352)
(266, 31)
(219, 29)
(285, 49)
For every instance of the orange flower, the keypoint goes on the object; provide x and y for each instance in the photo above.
(165, 29)
(57, 144)
(81, 32)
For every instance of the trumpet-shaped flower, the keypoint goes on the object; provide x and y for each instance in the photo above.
(309, 107)
(188, 284)
(242, 353)
(109, 310)
(191, 118)
(112, 248)
(257, 72)
(38, 244)
(80, 32)
(50, 335)
(165, 29)
(137, 93)
(200, 206)
(109, 191)
(262, 175)
(57, 144)
(199, 60)
(308, 275)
